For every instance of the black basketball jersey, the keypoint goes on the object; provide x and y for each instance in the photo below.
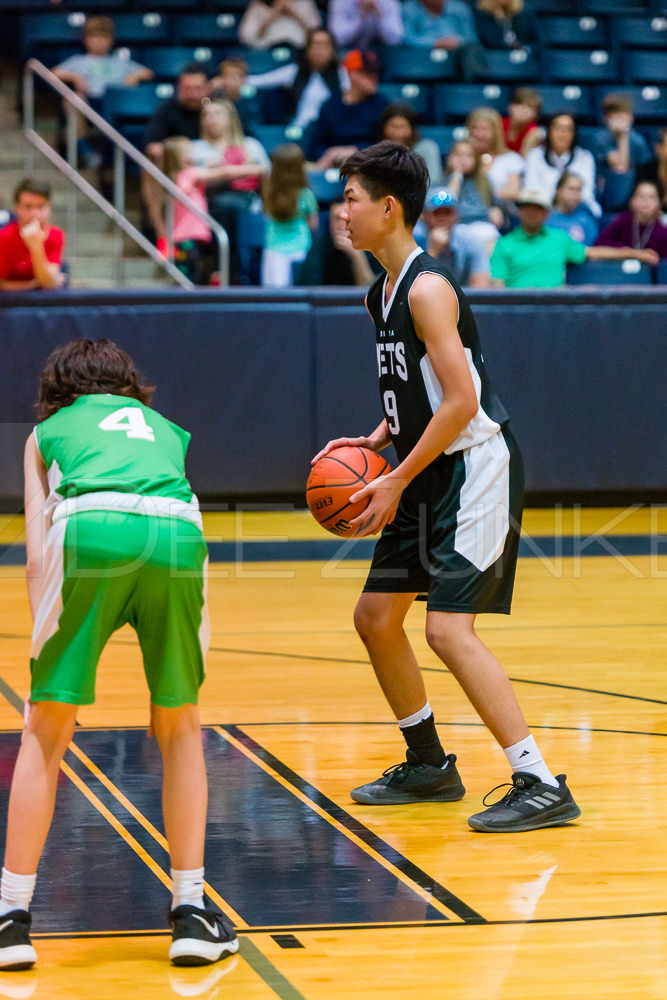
(409, 389)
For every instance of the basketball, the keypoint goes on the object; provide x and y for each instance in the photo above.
(334, 479)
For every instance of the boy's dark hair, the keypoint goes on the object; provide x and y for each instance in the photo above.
(31, 186)
(194, 69)
(88, 367)
(528, 96)
(387, 168)
(99, 25)
(612, 103)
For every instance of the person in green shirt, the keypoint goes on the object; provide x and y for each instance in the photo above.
(113, 536)
(536, 256)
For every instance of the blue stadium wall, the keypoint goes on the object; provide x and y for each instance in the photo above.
(264, 379)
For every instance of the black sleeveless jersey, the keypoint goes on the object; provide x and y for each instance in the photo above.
(409, 389)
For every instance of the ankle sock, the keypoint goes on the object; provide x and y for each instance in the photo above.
(422, 739)
(187, 887)
(525, 756)
(16, 891)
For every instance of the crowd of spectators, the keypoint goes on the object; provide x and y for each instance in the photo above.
(515, 199)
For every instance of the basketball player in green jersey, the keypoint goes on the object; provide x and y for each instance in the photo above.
(113, 535)
(449, 513)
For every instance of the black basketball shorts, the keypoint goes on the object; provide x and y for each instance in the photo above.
(460, 550)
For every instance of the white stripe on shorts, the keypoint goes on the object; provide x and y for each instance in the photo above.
(483, 516)
(50, 604)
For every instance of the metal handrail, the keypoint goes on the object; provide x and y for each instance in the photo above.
(121, 145)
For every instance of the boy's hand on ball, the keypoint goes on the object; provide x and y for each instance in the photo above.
(358, 442)
(383, 496)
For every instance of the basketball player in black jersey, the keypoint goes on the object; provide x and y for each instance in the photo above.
(449, 513)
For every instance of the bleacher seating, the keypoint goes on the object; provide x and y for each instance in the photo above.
(639, 32)
(510, 66)
(575, 98)
(444, 135)
(271, 136)
(454, 101)
(416, 95)
(610, 272)
(168, 61)
(414, 63)
(325, 185)
(574, 32)
(208, 29)
(580, 66)
(616, 191)
(645, 66)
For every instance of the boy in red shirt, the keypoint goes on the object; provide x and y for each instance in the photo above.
(31, 249)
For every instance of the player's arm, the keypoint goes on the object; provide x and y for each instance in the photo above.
(434, 308)
(36, 492)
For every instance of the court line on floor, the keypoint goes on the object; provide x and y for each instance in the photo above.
(400, 867)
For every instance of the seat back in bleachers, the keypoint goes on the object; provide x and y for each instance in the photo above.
(141, 29)
(271, 136)
(586, 136)
(168, 61)
(131, 104)
(417, 63)
(645, 66)
(661, 273)
(207, 29)
(40, 35)
(165, 4)
(416, 95)
(639, 32)
(453, 102)
(263, 60)
(563, 7)
(649, 102)
(444, 135)
(573, 32)
(510, 66)
(580, 66)
(325, 185)
(610, 272)
(575, 98)
(615, 8)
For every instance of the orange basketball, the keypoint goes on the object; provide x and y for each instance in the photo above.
(334, 479)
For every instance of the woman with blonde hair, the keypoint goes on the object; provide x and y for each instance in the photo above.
(503, 168)
(468, 182)
(504, 24)
(291, 215)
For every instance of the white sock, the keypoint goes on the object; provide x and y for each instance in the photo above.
(420, 716)
(16, 891)
(525, 756)
(187, 887)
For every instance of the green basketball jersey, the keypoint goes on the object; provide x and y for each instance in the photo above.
(114, 444)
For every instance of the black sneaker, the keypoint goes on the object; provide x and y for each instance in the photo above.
(413, 781)
(16, 951)
(200, 937)
(528, 805)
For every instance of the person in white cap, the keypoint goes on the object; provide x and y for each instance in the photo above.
(535, 256)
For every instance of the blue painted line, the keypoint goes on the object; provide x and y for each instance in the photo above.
(325, 549)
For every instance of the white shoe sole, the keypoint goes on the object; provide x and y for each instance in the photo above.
(19, 956)
(191, 951)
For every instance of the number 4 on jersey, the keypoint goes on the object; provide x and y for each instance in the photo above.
(131, 421)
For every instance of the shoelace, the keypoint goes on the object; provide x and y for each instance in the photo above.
(398, 772)
(514, 793)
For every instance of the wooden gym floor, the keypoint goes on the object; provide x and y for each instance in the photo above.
(336, 900)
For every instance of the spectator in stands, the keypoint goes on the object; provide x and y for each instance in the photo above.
(235, 189)
(618, 146)
(639, 227)
(398, 123)
(535, 256)
(503, 167)
(504, 24)
(90, 73)
(569, 212)
(232, 84)
(308, 82)
(451, 244)
(332, 260)
(31, 249)
(179, 115)
(292, 215)
(656, 169)
(278, 22)
(468, 182)
(545, 164)
(349, 121)
(193, 244)
(520, 126)
(445, 24)
(364, 24)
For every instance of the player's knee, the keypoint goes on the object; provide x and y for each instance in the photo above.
(444, 637)
(371, 622)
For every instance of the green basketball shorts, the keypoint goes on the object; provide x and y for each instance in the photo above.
(103, 570)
